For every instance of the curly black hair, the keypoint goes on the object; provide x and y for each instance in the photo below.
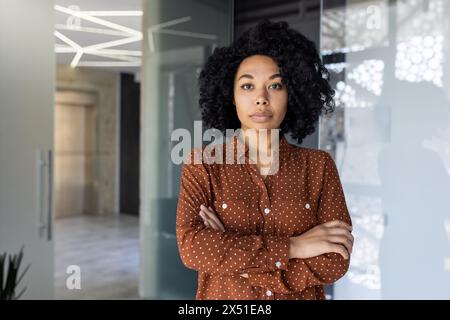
(302, 71)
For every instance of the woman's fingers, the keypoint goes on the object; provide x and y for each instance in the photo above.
(340, 232)
(336, 231)
(339, 224)
(210, 223)
(215, 225)
(343, 240)
(211, 215)
(205, 219)
(339, 249)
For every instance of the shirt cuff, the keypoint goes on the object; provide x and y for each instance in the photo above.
(278, 252)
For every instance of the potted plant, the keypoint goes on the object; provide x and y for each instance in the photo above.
(9, 279)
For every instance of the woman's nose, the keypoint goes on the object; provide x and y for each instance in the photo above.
(261, 101)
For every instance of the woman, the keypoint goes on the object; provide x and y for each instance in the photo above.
(252, 232)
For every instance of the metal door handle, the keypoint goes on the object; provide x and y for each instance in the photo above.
(40, 164)
(50, 195)
(44, 221)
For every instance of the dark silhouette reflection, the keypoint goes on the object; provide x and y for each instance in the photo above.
(415, 194)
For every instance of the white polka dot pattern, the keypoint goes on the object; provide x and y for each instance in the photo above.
(260, 214)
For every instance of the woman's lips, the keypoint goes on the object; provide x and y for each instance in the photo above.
(261, 117)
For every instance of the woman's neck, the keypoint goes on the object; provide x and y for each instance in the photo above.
(262, 141)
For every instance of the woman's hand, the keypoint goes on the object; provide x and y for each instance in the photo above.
(210, 218)
(333, 236)
(212, 221)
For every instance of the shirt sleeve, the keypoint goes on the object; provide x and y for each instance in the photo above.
(215, 252)
(324, 269)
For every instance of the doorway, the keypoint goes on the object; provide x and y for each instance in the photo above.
(90, 235)
(75, 152)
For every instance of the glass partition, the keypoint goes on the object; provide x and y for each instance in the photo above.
(390, 137)
(178, 38)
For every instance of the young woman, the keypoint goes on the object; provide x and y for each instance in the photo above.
(252, 232)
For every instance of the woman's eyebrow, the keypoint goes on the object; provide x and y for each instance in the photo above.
(246, 76)
(249, 76)
(276, 75)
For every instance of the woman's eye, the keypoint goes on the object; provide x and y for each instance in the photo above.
(276, 86)
(246, 86)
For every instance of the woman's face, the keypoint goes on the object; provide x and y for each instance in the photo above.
(259, 94)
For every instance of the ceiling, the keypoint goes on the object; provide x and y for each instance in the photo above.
(104, 34)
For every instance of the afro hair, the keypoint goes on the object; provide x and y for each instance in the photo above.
(302, 71)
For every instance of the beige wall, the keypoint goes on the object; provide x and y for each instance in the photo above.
(105, 86)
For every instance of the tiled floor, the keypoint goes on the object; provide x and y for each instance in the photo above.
(107, 251)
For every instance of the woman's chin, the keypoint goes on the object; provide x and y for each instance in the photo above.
(261, 127)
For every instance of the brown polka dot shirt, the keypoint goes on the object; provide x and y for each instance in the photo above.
(259, 214)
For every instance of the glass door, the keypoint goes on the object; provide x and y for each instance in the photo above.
(27, 83)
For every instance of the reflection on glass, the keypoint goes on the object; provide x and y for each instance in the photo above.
(341, 26)
(420, 59)
(420, 41)
(369, 75)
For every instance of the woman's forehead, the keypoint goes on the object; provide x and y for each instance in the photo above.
(258, 65)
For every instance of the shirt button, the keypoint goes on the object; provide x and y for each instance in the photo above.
(268, 293)
(224, 206)
(266, 210)
(278, 264)
(307, 206)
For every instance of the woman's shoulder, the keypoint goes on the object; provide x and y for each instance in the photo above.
(310, 154)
